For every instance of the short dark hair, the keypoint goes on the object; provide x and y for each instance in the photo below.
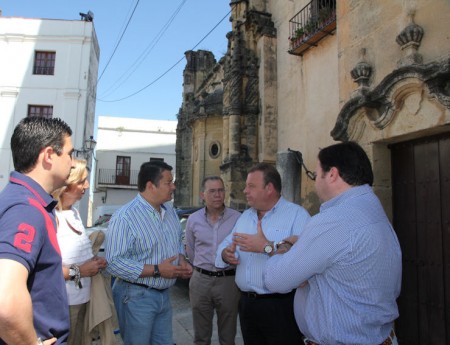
(33, 134)
(270, 175)
(351, 161)
(151, 171)
(210, 178)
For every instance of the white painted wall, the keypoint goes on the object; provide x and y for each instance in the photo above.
(139, 139)
(70, 90)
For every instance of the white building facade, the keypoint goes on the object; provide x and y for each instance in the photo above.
(123, 144)
(48, 67)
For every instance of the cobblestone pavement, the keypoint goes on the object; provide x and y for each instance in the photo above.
(183, 332)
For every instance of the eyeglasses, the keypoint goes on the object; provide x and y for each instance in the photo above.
(214, 191)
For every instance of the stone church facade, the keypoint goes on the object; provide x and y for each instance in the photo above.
(300, 75)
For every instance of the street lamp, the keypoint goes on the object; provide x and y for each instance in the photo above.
(89, 144)
(88, 148)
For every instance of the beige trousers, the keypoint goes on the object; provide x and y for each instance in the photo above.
(213, 293)
(78, 334)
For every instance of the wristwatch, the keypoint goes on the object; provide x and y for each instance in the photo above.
(268, 248)
(73, 272)
(39, 341)
(75, 275)
(156, 272)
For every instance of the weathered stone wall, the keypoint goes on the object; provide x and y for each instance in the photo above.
(202, 95)
(207, 136)
(308, 96)
(397, 89)
(244, 124)
(318, 90)
(371, 81)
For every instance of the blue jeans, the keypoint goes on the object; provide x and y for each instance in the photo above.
(145, 314)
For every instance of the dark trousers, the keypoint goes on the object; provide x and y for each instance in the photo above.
(269, 320)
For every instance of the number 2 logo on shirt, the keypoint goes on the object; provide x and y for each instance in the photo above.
(24, 238)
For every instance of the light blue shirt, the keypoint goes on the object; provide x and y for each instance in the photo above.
(350, 257)
(283, 220)
(138, 234)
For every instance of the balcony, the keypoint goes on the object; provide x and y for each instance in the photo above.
(114, 178)
(314, 22)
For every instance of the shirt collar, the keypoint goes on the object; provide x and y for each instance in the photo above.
(145, 202)
(221, 215)
(348, 194)
(281, 201)
(45, 199)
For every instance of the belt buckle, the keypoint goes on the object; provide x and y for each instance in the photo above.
(252, 294)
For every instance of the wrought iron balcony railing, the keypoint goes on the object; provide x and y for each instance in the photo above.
(314, 21)
(112, 177)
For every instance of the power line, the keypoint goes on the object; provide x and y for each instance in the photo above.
(127, 74)
(117, 45)
(168, 70)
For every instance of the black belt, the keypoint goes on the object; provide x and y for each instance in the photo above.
(225, 273)
(255, 295)
(143, 286)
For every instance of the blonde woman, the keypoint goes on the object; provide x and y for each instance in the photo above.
(79, 264)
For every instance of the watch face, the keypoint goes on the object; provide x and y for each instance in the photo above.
(268, 249)
(72, 274)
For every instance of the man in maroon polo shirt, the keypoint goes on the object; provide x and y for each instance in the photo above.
(33, 299)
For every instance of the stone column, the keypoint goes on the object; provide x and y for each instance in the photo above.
(234, 135)
(225, 139)
(290, 172)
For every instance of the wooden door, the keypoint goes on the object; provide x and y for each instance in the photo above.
(123, 170)
(421, 201)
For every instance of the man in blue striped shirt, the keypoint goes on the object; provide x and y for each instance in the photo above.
(347, 262)
(266, 318)
(145, 252)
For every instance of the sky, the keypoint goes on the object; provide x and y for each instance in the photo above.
(150, 55)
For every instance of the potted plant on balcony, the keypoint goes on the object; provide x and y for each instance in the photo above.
(297, 36)
(326, 15)
(311, 26)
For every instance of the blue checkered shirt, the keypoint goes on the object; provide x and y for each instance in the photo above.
(350, 257)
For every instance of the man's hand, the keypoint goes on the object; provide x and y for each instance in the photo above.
(291, 239)
(287, 244)
(49, 341)
(251, 243)
(91, 267)
(185, 265)
(16, 315)
(170, 271)
(228, 254)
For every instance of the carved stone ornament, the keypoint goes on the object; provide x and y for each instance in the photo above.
(362, 71)
(411, 35)
(378, 104)
(409, 40)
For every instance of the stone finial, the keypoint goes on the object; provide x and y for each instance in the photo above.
(362, 71)
(411, 35)
(409, 40)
